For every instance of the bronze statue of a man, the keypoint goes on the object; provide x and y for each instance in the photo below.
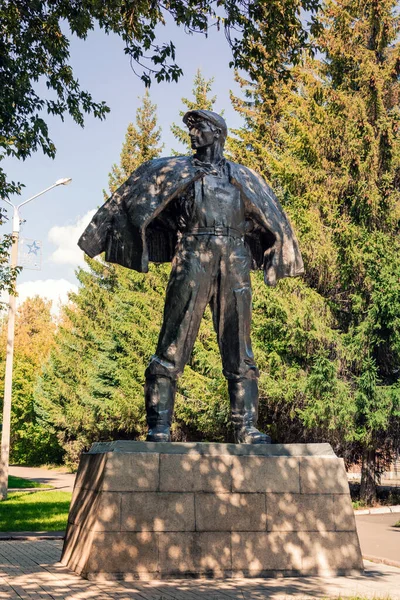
(216, 220)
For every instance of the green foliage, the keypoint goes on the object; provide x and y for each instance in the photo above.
(328, 142)
(92, 387)
(302, 364)
(8, 274)
(80, 390)
(34, 47)
(201, 101)
(35, 511)
(273, 36)
(327, 346)
(34, 336)
(142, 143)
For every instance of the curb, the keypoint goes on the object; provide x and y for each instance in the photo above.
(378, 511)
(31, 535)
(381, 561)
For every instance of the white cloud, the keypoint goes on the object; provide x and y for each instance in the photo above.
(66, 239)
(55, 290)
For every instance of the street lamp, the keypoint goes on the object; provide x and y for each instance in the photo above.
(5, 434)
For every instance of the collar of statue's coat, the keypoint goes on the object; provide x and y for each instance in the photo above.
(209, 168)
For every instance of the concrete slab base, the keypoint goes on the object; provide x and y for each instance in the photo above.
(156, 511)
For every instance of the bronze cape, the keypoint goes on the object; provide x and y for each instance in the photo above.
(132, 230)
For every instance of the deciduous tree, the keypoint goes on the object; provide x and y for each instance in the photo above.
(35, 46)
(34, 337)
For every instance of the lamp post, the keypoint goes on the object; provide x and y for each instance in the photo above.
(5, 434)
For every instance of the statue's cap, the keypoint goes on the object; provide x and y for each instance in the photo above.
(192, 116)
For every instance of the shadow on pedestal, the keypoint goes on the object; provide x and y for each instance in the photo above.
(148, 511)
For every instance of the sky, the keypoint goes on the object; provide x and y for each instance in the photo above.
(57, 218)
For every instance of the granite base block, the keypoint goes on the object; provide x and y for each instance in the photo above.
(149, 511)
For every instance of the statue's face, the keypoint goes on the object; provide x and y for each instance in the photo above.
(202, 135)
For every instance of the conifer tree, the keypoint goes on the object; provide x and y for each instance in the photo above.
(111, 330)
(328, 141)
(92, 386)
(201, 101)
(83, 393)
(142, 143)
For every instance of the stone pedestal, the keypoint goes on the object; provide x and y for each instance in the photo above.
(148, 511)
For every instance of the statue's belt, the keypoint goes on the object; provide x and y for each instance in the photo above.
(215, 230)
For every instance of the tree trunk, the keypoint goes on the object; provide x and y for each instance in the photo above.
(368, 480)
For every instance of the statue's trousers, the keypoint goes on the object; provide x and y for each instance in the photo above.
(207, 269)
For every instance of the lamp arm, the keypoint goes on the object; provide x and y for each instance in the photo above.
(36, 195)
(8, 202)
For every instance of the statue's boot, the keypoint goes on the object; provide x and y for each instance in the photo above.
(159, 393)
(243, 395)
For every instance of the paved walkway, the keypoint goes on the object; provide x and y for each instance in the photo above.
(57, 479)
(30, 571)
(378, 537)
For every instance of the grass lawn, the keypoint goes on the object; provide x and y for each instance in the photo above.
(35, 511)
(19, 482)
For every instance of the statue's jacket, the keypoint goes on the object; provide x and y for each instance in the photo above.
(136, 224)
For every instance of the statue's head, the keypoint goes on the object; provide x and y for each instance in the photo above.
(206, 128)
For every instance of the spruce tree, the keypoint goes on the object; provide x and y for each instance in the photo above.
(92, 386)
(328, 141)
(84, 394)
(142, 143)
(111, 331)
(201, 101)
